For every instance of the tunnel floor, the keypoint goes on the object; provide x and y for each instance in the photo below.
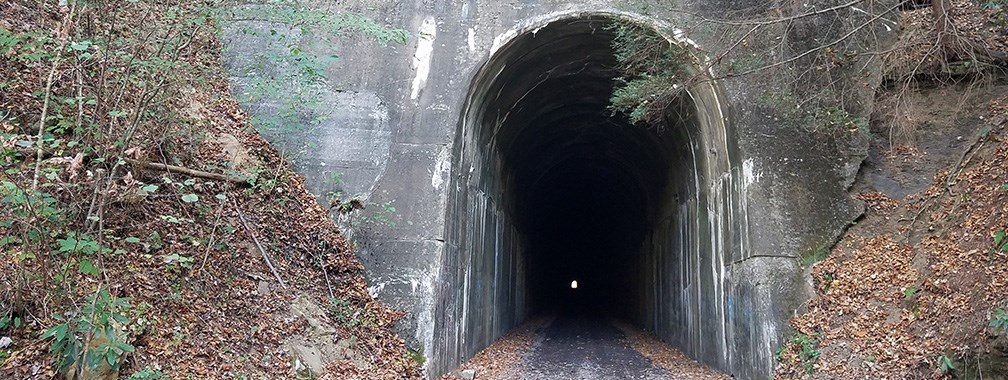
(576, 347)
(586, 348)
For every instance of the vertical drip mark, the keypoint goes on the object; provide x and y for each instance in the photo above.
(424, 54)
(497, 276)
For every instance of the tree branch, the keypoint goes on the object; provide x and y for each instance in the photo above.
(190, 172)
(262, 251)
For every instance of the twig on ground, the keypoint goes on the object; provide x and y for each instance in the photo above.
(213, 233)
(190, 172)
(325, 272)
(42, 120)
(262, 250)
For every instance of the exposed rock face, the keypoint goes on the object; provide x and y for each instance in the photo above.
(490, 127)
(237, 154)
(321, 345)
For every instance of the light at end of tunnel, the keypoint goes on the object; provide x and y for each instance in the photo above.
(574, 284)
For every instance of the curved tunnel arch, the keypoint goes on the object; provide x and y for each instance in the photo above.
(548, 186)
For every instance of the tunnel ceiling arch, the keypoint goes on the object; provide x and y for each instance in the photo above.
(550, 186)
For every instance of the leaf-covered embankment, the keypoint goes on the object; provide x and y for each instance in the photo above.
(115, 262)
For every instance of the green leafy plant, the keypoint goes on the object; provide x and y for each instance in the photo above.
(148, 374)
(336, 179)
(103, 93)
(998, 12)
(827, 281)
(376, 214)
(999, 320)
(814, 255)
(347, 314)
(33, 46)
(175, 262)
(8, 321)
(869, 361)
(945, 363)
(92, 336)
(342, 204)
(1000, 242)
(652, 72)
(342, 311)
(909, 292)
(417, 357)
(804, 347)
(8, 40)
(84, 248)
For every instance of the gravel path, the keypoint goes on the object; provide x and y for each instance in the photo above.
(582, 348)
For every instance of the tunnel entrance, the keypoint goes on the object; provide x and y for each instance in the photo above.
(549, 187)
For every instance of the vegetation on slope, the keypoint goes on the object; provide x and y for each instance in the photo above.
(916, 289)
(147, 230)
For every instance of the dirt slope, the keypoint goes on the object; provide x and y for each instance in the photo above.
(917, 287)
(182, 248)
(913, 288)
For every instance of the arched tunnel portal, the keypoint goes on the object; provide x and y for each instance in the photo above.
(550, 186)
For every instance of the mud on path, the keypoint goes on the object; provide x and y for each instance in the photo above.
(574, 347)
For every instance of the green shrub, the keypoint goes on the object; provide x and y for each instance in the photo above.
(804, 346)
(813, 256)
(946, 364)
(652, 71)
(148, 374)
(92, 336)
(1000, 320)
(1000, 241)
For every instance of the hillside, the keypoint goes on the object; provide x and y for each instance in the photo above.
(916, 287)
(145, 219)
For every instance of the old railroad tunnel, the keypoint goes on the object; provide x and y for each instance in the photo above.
(552, 187)
(493, 137)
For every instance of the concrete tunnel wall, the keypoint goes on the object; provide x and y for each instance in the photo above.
(403, 126)
(549, 186)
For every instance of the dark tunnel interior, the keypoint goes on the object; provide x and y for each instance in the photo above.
(551, 186)
(583, 202)
(584, 186)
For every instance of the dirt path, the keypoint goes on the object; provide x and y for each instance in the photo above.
(575, 348)
(583, 348)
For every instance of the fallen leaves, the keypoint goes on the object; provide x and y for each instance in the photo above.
(502, 359)
(888, 306)
(209, 319)
(676, 364)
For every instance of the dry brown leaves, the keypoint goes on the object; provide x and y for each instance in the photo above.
(981, 23)
(877, 201)
(673, 361)
(919, 49)
(210, 320)
(501, 360)
(888, 307)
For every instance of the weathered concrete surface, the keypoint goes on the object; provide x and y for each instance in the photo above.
(746, 190)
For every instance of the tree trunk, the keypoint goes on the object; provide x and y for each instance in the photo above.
(943, 23)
